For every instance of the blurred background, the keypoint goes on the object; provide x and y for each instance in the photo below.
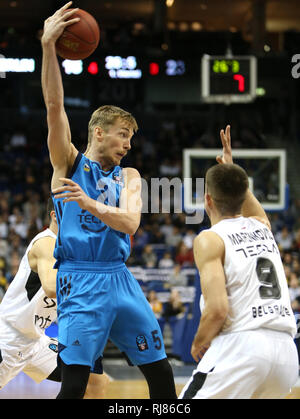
(185, 69)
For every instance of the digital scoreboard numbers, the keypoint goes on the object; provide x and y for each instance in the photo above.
(228, 79)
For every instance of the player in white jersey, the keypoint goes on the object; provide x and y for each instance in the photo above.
(245, 337)
(27, 309)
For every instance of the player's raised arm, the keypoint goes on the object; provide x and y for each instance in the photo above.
(62, 152)
(251, 206)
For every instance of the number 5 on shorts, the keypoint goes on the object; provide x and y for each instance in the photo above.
(156, 339)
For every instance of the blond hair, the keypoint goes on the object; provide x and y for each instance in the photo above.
(106, 116)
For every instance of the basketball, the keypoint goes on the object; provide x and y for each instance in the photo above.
(79, 40)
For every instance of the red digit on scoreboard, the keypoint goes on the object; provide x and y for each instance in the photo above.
(241, 82)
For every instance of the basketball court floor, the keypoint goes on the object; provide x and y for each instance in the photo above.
(126, 383)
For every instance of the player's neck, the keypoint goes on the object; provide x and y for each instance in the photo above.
(96, 155)
(53, 227)
(216, 218)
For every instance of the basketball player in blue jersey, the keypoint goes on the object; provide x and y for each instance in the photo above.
(98, 205)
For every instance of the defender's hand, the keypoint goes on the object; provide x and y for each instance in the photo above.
(198, 351)
(55, 24)
(72, 192)
(226, 143)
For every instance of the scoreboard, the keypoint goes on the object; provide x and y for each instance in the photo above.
(135, 79)
(228, 79)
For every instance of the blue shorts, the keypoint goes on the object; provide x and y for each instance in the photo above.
(100, 301)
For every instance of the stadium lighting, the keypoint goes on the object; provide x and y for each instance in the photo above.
(73, 66)
(169, 3)
(17, 65)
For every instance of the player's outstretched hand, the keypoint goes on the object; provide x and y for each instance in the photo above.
(55, 24)
(71, 191)
(226, 143)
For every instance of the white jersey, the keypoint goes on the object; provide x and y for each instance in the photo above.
(25, 306)
(255, 280)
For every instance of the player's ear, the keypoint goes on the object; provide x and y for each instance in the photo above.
(53, 216)
(208, 200)
(98, 133)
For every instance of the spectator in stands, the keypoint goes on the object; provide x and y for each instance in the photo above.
(175, 238)
(167, 227)
(296, 266)
(141, 239)
(287, 259)
(296, 244)
(4, 225)
(296, 305)
(188, 238)
(18, 139)
(294, 290)
(168, 168)
(4, 203)
(3, 284)
(157, 237)
(15, 244)
(287, 271)
(13, 267)
(276, 222)
(13, 215)
(149, 258)
(166, 261)
(147, 146)
(284, 238)
(3, 264)
(177, 278)
(155, 303)
(19, 226)
(184, 255)
(3, 248)
(174, 306)
(32, 208)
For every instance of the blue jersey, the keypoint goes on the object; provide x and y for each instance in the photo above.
(82, 236)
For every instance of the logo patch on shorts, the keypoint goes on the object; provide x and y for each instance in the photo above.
(141, 342)
(53, 347)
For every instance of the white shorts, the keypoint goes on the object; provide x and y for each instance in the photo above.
(36, 358)
(252, 364)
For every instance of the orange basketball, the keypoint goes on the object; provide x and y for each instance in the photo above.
(79, 40)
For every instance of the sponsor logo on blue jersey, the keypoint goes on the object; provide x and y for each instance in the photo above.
(141, 342)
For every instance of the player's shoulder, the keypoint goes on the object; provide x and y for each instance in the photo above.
(132, 178)
(43, 246)
(209, 243)
(131, 172)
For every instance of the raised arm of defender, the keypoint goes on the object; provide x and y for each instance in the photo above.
(62, 152)
(251, 206)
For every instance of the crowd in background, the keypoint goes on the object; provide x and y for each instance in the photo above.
(25, 174)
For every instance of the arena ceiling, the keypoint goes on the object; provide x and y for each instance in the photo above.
(213, 15)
